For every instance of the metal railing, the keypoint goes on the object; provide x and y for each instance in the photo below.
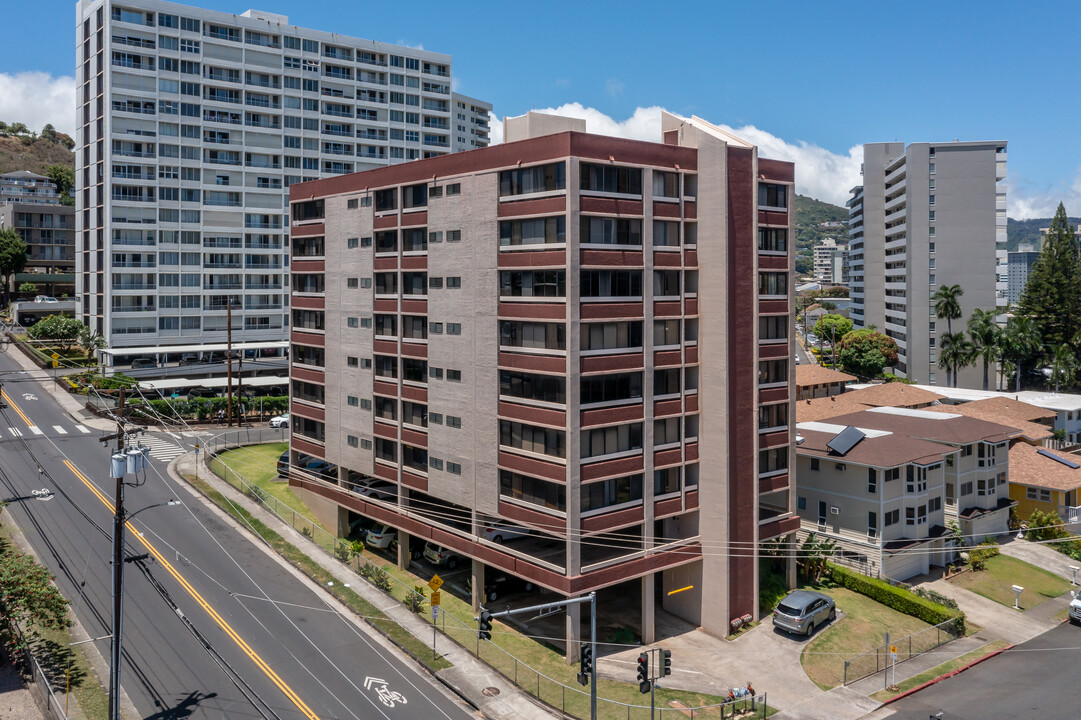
(463, 631)
(877, 660)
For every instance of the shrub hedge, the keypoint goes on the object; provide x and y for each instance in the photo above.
(897, 598)
(203, 408)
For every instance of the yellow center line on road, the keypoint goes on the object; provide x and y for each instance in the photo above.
(16, 408)
(259, 662)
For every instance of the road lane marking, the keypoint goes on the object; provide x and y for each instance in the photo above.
(16, 431)
(83, 430)
(36, 430)
(60, 429)
(18, 410)
(259, 662)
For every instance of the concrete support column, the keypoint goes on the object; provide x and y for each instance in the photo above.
(477, 592)
(574, 633)
(649, 609)
(790, 563)
(404, 552)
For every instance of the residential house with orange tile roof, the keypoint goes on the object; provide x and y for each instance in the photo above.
(815, 381)
(1045, 480)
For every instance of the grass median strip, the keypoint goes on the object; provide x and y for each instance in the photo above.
(939, 670)
(312, 569)
(1003, 572)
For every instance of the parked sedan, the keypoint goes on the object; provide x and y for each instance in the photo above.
(803, 610)
(280, 421)
(499, 533)
(438, 555)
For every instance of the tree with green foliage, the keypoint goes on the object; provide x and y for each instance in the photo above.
(1020, 343)
(1052, 295)
(29, 602)
(17, 129)
(955, 352)
(57, 329)
(48, 133)
(832, 328)
(28, 288)
(64, 177)
(13, 257)
(1064, 366)
(865, 353)
(92, 341)
(986, 338)
(948, 307)
(814, 554)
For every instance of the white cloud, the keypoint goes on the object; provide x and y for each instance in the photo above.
(37, 99)
(1025, 201)
(821, 174)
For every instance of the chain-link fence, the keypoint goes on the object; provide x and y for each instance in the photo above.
(53, 702)
(908, 647)
(571, 700)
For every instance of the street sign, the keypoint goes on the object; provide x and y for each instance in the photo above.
(56, 356)
(435, 599)
(56, 364)
(893, 649)
(435, 583)
(435, 616)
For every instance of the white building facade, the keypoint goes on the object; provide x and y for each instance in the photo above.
(192, 125)
(926, 216)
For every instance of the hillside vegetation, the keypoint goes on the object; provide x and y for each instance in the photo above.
(1019, 232)
(810, 214)
(37, 156)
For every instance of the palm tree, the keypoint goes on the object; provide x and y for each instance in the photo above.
(1020, 341)
(948, 306)
(956, 352)
(1064, 366)
(986, 338)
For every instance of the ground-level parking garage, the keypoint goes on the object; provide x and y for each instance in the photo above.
(630, 583)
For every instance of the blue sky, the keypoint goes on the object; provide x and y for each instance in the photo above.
(808, 81)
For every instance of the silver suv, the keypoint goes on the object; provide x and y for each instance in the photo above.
(804, 610)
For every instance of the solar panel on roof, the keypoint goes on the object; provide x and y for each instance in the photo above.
(1068, 463)
(845, 440)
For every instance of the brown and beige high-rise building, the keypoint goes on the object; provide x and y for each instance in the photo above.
(581, 335)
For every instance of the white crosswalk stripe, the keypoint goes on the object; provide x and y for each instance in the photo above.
(16, 431)
(36, 430)
(162, 448)
(82, 429)
(60, 429)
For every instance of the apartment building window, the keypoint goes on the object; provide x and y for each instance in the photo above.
(773, 327)
(352, 401)
(611, 179)
(930, 199)
(610, 231)
(533, 283)
(352, 440)
(611, 492)
(533, 491)
(611, 283)
(435, 418)
(352, 322)
(665, 184)
(1039, 494)
(916, 515)
(891, 517)
(916, 479)
(454, 282)
(454, 375)
(872, 480)
(667, 480)
(435, 373)
(666, 333)
(533, 231)
(454, 189)
(600, 442)
(454, 328)
(531, 438)
(454, 468)
(415, 196)
(454, 236)
(534, 335)
(665, 233)
(774, 196)
(666, 382)
(540, 178)
(772, 460)
(772, 372)
(815, 464)
(821, 513)
(773, 240)
(666, 283)
(611, 387)
(772, 284)
(872, 525)
(772, 416)
(931, 166)
(611, 335)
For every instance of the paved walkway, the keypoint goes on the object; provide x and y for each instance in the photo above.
(468, 677)
(16, 703)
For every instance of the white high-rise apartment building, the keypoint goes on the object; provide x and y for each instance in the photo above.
(191, 126)
(927, 215)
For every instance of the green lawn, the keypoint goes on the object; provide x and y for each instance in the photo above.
(862, 628)
(256, 464)
(1003, 572)
(939, 670)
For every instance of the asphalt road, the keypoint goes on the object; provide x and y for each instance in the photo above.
(1037, 679)
(278, 649)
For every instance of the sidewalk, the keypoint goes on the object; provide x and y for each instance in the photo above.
(70, 403)
(468, 677)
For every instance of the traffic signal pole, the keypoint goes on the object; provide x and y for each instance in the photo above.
(484, 632)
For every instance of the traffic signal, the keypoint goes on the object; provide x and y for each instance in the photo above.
(643, 673)
(586, 665)
(667, 655)
(484, 626)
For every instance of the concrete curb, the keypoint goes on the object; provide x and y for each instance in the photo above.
(950, 674)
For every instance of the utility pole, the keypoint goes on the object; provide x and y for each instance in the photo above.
(229, 360)
(118, 468)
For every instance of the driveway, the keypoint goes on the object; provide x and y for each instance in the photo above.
(701, 662)
(996, 619)
(1040, 555)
